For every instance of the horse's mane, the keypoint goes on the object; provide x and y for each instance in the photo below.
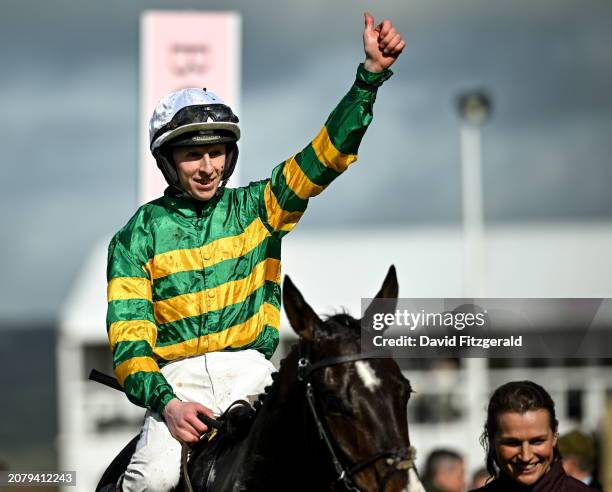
(341, 324)
(271, 388)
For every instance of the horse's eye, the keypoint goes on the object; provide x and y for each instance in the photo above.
(404, 388)
(407, 386)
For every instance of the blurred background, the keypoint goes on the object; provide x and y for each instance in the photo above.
(69, 90)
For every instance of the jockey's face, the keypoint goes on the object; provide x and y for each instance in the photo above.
(200, 169)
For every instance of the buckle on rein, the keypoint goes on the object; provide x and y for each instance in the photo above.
(303, 369)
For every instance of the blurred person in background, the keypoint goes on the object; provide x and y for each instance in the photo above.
(193, 277)
(578, 455)
(444, 472)
(479, 478)
(520, 439)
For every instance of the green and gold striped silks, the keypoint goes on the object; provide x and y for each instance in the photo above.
(186, 278)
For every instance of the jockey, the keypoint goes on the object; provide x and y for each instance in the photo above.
(194, 276)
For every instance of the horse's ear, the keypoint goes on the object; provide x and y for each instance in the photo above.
(386, 299)
(303, 319)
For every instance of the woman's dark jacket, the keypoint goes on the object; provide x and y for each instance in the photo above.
(554, 481)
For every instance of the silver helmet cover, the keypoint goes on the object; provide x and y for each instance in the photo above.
(214, 114)
(192, 117)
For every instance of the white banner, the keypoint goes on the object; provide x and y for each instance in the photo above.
(184, 49)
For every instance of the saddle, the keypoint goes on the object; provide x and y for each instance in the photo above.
(235, 423)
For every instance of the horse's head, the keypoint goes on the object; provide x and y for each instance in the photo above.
(359, 399)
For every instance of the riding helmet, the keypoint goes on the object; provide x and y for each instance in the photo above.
(192, 116)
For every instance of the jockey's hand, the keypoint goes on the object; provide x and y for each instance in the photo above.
(183, 422)
(382, 44)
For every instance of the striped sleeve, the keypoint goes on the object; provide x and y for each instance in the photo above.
(132, 332)
(309, 172)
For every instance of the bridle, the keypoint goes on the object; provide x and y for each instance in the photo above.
(398, 459)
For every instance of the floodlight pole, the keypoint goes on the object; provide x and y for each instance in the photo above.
(474, 271)
(474, 109)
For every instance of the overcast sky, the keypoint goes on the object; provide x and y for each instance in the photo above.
(69, 83)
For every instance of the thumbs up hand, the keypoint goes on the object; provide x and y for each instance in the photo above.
(382, 44)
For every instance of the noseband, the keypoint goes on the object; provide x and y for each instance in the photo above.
(400, 459)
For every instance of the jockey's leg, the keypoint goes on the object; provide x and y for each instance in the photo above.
(155, 466)
(239, 375)
(215, 380)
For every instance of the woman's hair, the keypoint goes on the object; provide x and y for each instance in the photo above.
(519, 397)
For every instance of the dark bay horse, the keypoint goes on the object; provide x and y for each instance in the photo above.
(334, 418)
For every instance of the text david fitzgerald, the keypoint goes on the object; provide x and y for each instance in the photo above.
(446, 341)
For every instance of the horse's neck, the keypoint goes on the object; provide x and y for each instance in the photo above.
(281, 418)
(283, 438)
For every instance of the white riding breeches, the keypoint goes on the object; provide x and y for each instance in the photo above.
(215, 380)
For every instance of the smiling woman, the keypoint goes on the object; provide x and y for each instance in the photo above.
(525, 445)
(520, 439)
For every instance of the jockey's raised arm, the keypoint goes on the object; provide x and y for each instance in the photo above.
(309, 172)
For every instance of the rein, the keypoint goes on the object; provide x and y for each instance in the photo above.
(400, 459)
